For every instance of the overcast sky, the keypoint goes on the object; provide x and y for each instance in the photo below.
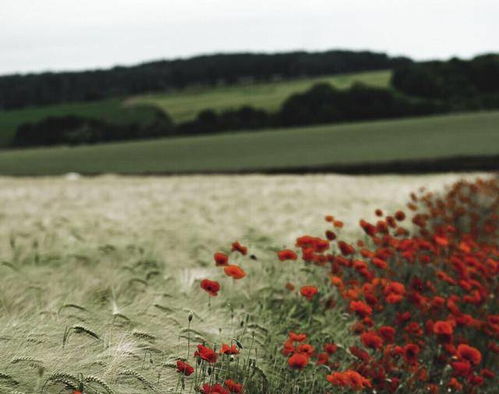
(40, 35)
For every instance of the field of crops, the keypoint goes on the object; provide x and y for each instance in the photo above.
(112, 111)
(100, 277)
(182, 105)
(419, 138)
(185, 105)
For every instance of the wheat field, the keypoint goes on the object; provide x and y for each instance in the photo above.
(99, 275)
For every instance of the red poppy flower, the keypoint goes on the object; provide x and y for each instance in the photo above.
(234, 271)
(400, 216)
(305, 348)
(371, 340)
(391, 221)
(378, 212)
(461, 368)
(346, 249)
(361, 308)
(359, 265)
(469, 353)
(454, 384)
(382, 227)
(368, 228)
(336, 281)
(286, 254)
(411, 352)
(350, 378)
(395, 287)
(359, 353)
(233, 386)
(297, 337)
(290, 286)
(237, 247)
(288, 348)
(443, 328)
(322, 359)
(308, 292)
(330, 235)
(184, 368)
(388, 333)
(358, 328)
(298, 361)
(393, 298)
(210, 286)
(394, 292)
(226, 349)
(214, 389)
(402, 317)
(382, 264)
(207, 354)
(356, 381)
(315, 244)
(330, 348)
(221, 258)
(437, 302)
(337, 379)
(475, 380)
(441, 240)
(414, 328)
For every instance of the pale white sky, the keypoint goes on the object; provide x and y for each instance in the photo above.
(40, 35)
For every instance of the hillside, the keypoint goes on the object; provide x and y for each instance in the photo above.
(110, 110)
(183, 104)
(25, 90)
(379, 141)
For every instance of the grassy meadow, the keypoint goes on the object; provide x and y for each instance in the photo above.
(182, 105)
(100, 275)
(186, 104)
(111, 110)
(416, 138)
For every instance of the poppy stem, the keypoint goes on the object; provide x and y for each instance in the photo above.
(189, 338)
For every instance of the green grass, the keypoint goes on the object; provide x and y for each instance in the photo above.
(110, 110)
(185, 105)
(416, 138)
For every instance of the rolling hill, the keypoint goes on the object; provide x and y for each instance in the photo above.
(111, 110)
(184, 104)
(474, 134)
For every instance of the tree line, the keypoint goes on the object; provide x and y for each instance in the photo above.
(77, 130)
(462, 84)
(23, 90)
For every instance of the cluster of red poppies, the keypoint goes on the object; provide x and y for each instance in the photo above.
(424, 295)
(425, 300)
(210, 356)
(232, 270)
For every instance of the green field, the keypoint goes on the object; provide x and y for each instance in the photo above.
(182, 105)
(416, 138)
(110, 110)
(186, 104)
